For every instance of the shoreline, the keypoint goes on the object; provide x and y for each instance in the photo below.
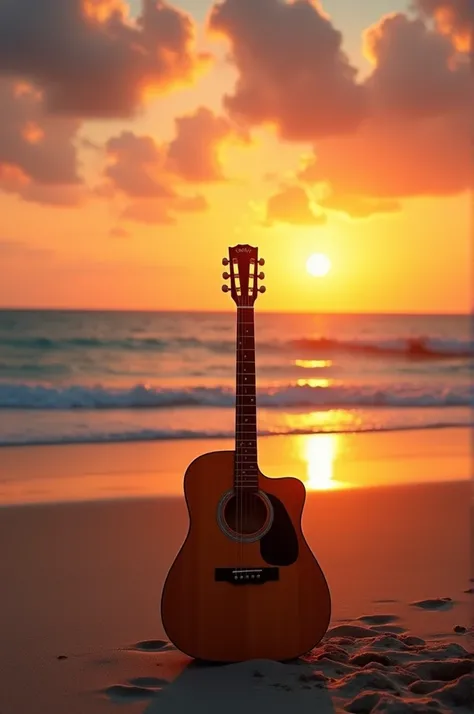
(126, 470)
(219, 437)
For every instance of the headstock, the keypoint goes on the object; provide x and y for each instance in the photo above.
(244, 276)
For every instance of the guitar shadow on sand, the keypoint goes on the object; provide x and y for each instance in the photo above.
(243, 688)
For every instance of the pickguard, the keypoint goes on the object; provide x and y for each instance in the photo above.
(280, 545)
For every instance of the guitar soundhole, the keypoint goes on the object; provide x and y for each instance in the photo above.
(246, 514)
(245, 517)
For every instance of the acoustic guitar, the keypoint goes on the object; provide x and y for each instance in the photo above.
(245, 584)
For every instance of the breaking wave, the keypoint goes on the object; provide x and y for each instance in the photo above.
(27, 396)
(402, 347)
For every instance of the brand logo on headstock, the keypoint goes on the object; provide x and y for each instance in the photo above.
(243, 250)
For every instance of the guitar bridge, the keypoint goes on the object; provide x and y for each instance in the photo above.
(246, 576)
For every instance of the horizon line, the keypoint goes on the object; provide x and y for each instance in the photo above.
(19, 308)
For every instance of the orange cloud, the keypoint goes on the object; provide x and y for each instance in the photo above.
(293, 72)
(102, 10)
(151, 212)
(453, 17)
(397, 159)
(163, 211)
(194, 153)
(191, 204)
(292, 205)
(140, 168)
(32, 133)
(12, 178)
(416, 140)
(417, 72)
(90, 59)
(357, 206)
(38, 158)
(136, 166)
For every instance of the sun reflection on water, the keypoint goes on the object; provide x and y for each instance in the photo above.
(313, 363)
(319, 442)
(321, 383)
(323, 420)
(320, 452)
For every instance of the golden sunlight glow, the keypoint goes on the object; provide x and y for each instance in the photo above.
(319, 452)
(12, 177)
(313, 383)
(32, 133)
(102, 10)
(323, 420)
(313, 363)
(318, 265)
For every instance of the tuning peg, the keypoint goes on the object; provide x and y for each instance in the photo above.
(225, 261)
(262, 289)
(261, 261)
(261, 276)
(225, 288)
(226, 276)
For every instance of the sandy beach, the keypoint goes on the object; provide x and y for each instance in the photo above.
(82, 578)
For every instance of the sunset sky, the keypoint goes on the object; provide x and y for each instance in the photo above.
(140, 139)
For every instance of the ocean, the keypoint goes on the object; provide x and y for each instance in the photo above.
(72, 376)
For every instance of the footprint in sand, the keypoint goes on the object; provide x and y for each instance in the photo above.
(378, 619)
(153, 646)
(137, 689)
(438, 603)
(389, 629)
(125, 692)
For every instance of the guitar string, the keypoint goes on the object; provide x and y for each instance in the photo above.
(246, 495)
(253, 497)
(242, 494)
(254, 503)
(244, 491)
(244, 501)
(248, 492)
(240, 504)
(236, 471)
(240, 490)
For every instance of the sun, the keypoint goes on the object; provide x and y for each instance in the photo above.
(318, 265)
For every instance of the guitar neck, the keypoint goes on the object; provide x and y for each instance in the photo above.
(246, 469)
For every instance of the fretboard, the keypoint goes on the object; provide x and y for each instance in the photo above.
(246, 470)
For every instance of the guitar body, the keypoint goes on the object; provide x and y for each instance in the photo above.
(229, 598)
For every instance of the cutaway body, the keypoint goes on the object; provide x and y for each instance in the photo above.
(229, 599)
